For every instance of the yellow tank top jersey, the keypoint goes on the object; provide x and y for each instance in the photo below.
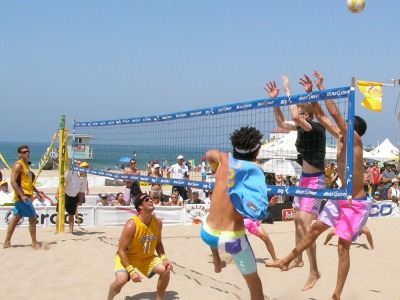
(24, 181)
(144, 242)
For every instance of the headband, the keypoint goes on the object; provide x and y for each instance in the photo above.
(247, 151)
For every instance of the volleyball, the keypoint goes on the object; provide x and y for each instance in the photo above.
(356, 6)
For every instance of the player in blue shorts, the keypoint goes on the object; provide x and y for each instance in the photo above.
(223, 227)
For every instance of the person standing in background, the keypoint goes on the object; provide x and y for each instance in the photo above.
(132, 170)
(22, 183)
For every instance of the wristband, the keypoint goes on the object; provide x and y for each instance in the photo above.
(130, 269)
(163, 257)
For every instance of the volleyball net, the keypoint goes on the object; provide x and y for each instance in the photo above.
(192, 133)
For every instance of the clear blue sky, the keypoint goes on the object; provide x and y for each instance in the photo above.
(94, 60)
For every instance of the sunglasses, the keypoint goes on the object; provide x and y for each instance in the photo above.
(145, 198)
(133, 163)
(24, 152)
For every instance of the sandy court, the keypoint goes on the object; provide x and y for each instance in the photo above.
(81, 266)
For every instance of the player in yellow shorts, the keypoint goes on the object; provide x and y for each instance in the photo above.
(140, 239)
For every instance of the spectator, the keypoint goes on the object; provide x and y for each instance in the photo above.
(156, 171)
(103, 200)
(280, 181)
(377, 196)
(386, 180)
(330, 172)
(203, 169)
(156, 194)
(375, 175)
(119, 201)
(41, 202)
(84, 165)
(75, 188)
(132, 170)
(394, 191)
(165, 165)
(394, 169)
(208, 199)
(6, 196)
(179, 171)
(195, 198)
(367, 177)
(150, 169)
(174, 200)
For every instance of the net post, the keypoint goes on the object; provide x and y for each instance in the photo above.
(350, 143)
(61, 177)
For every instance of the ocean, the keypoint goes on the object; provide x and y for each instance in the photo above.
(106, 157)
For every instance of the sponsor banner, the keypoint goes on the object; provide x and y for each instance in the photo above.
(194, 213)
(176, 215)
(385, 209)
(47, 217)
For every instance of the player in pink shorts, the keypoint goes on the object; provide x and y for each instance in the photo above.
(312, 181)
(348, 221)
(255, 228)
(348, 217)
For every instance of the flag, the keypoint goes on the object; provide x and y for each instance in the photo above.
(373, 94)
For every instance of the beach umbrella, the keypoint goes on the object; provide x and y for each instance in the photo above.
(125, 159)
(282, 167)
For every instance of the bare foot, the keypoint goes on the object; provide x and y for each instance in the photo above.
(312, 279)
(296, 264)
(6, 245)
(219, 266)
(277, 264)
(36, 246)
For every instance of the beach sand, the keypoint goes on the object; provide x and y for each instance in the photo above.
(81, 266)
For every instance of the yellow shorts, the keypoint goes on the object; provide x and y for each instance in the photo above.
(145, 266)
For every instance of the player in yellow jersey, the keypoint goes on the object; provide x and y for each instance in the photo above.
(139, 240)
(22, 182)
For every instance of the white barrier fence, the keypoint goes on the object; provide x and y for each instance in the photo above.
(90, 216)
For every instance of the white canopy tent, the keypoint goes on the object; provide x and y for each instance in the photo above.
(385, 151)
(285, 148)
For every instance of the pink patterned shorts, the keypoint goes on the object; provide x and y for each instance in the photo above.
(348, 221)
(312, 181)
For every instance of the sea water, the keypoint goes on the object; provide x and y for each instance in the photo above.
(107, 157)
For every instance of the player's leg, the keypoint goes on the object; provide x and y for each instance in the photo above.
(32, 231)
(10, 230)
(121, 278)
(368, 234)
(163, 280)
(343, 268)
(267, 241)
(255, 286)
(329, 236)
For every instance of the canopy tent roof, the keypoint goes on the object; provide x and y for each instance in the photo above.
(385, 151)
(285, 148)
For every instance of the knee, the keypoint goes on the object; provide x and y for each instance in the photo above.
(343, 247)
(164, 272)
(118, 284)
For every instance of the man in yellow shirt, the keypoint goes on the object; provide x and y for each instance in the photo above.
(22, 181)
(329, 174)
(139, 240)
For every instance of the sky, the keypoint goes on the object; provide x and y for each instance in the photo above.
(97, 60)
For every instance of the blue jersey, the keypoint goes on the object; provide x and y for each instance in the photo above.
(247, 188)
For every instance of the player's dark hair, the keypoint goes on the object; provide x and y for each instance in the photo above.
(360, 126)
(139, 201)
(246, 139)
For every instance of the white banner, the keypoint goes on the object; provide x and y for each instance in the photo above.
(170, 215)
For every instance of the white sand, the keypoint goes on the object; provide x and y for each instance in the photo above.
(81, 266)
